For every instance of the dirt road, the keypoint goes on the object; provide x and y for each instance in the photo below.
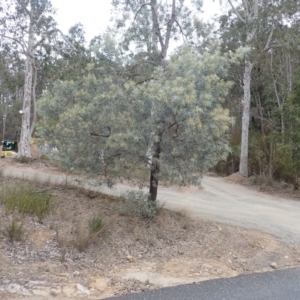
(218, 200)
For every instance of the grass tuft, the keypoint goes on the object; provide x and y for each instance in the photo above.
(15, 230)
(86, 235)
(96, 225)
(26, 200)
(82, 240)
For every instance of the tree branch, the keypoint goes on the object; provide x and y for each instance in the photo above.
(169, 28)
(269, 39)
(41, 41)
(145, 80)
(246, 7)
(100, 135)
(183, 35)
(93, 133)
(156, 25)
(149, 3)
(236, 12)
(15, 40)
(143, 62)
(24, 7)
(42, 8)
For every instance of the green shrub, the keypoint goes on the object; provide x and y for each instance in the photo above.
(137, 202)
(26, 200)
(44, 158)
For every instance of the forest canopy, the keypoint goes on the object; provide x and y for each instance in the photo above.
(161, 95)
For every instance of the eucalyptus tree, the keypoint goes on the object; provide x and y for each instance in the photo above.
(110, 122)
(27, 24)
(54, 60)
(248, 13)
(248, 16)
(273, 57)
(282, 60)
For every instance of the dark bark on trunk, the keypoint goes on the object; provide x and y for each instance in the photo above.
(153, 185)
(155, 169)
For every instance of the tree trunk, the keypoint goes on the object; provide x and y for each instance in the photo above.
(245, 120)
(34, 118)
(25, 127)
(4, 126)
(153, 182)
(250, 15)
(4, 114)
(282, 122)
(155, 169)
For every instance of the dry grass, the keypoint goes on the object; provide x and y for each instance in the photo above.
(15, 230)
(26, 200)
(85, 230)
(23, 160)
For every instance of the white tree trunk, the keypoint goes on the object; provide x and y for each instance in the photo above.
(24, 149)
(34, 117)
(249, 15)
(245, 120)
(4, 127)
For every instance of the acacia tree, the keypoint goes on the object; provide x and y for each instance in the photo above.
(111, 122)
(27, 24)
(151, 26)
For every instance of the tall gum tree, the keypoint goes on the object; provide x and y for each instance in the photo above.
(247, 11)
(28, 24)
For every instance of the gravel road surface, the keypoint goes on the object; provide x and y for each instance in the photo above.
(218, 200)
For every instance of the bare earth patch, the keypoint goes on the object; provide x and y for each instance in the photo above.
(263, 184)
(130, 254)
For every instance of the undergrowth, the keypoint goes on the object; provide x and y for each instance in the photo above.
(14, 230)
(23, 160)
(87, 235)
(137, 202)
(26, 200)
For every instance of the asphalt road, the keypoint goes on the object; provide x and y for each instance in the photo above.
(219, 201)
(277, 285)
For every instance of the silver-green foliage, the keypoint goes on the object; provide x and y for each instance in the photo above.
(136, 202)
(105, 128)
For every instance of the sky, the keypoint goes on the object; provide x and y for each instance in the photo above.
(95, 14)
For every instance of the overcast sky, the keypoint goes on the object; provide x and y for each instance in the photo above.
(95, 14)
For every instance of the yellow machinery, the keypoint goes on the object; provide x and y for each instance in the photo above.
(9, 148)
